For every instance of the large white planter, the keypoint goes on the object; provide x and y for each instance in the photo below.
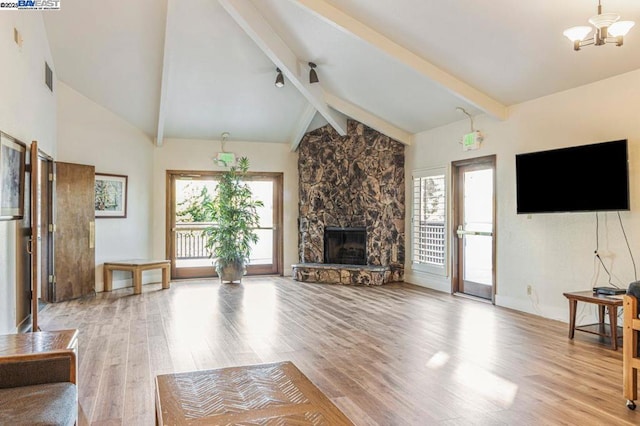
(231, 272)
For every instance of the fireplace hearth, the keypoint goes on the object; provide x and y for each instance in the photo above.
(345, 246)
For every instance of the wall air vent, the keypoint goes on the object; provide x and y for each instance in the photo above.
(48, 76)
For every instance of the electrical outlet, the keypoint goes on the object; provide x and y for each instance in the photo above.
(529, 290)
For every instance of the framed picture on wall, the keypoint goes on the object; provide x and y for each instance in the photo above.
(12, 168)
(111, 196)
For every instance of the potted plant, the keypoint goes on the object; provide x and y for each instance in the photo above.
(233, 212)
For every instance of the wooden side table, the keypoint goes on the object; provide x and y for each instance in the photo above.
(611, 303)
(136, 267)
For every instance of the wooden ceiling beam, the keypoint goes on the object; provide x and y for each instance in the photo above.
(341, 20)
(256, 26)
(166, 72)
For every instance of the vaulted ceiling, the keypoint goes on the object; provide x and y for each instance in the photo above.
(195, 69)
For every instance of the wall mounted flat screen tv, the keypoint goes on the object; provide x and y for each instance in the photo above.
(577, 179)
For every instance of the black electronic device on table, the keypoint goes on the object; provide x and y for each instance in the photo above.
(609, 291)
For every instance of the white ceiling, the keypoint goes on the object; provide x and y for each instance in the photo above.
(190, 67)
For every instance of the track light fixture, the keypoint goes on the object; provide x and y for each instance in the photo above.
(313, 76)
(607, 28)
(279, 78)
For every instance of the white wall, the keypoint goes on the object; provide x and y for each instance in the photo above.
(181, 154)
(27, 112)
(90, 134)
(551, 252)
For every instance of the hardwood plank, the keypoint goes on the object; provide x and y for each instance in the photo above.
(139, 392)
(110, 397)
(396, 354)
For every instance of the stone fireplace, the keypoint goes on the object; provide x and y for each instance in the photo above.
(352, 207)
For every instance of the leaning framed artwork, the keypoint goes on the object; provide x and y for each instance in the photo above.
(111, 196)
(12, 168)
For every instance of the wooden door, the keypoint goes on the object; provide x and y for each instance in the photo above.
(475, 227)
(74, 220)
(23, 259)
(34, 233)
(45, 228)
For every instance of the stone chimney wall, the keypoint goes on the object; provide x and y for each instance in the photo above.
(355, 180)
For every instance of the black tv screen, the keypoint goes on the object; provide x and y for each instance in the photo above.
(577, 179)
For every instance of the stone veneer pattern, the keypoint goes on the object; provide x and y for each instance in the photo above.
(342, 274)
(355, 180)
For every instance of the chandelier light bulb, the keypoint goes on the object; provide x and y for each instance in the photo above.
(577, 33)
(621, 28)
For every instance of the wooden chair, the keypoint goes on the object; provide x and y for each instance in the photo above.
(630, 353)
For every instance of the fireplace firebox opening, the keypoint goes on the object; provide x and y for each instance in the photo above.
(345, 246)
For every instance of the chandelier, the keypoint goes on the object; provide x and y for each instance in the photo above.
(608, 29)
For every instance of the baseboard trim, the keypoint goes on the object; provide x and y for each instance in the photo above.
(443, 284)
(24, 326)
(527, 305)
(434, 282)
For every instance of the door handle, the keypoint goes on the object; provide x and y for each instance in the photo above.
(462, 232)
(30, 246)
(92, 235)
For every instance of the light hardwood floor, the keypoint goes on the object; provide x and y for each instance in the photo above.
(392, 355)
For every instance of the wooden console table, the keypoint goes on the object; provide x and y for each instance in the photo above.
(257, 394)
(600, 328)
(136, 267)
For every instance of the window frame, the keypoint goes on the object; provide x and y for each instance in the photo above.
(426, 267)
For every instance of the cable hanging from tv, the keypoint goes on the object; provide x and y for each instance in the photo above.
(597, 255)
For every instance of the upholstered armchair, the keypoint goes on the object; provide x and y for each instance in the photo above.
(39, 388)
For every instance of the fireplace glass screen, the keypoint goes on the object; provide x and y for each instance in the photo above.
(346, 246)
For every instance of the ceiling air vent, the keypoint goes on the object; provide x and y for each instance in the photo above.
(48, 76)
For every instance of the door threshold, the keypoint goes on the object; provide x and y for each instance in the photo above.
(472, 297)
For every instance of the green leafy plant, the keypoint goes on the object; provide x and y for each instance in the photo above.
(233, 210)
(192, 209)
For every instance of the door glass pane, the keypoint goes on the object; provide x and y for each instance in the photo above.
(190, 247)
(262, 253)
(478, 200)
(478, 217)
(263, 191)
(478, 258)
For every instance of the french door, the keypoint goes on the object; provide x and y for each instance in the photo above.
(186, 248)
(474, 188)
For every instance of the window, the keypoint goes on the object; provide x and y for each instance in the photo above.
(429, 221)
